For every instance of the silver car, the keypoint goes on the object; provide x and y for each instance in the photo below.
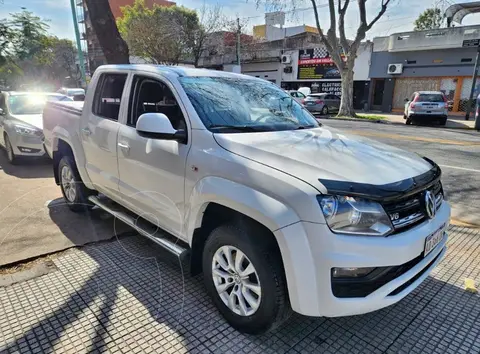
(21, 123)
(323, 103)
(297, 96)
(426, 106)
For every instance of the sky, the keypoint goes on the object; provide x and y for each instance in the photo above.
(399, 17)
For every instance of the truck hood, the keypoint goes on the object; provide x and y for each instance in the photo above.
(326, 153)
(30, 119)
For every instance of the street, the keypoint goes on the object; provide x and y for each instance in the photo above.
(456, 151)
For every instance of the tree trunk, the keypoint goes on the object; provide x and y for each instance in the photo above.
(346, 105)
(113, 46)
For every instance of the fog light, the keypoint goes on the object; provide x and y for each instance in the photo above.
(351, 272)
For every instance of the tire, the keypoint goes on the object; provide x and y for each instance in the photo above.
(11, 157)
(408, 121)
(443, 121)
(74, 191)
(255, 244)
(324, 111)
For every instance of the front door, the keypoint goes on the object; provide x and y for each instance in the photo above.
(152, 171)
(379, 87)
(99, 133)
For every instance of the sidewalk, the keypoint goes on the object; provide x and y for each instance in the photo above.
(126, 296)
(454, 122)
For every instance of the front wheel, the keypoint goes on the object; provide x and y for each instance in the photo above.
(244, 275)
(324, 110)
(74, 191)
(408, 121)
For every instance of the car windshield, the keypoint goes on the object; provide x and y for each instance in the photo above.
(430, 97)
(31, 104)
(232, 105)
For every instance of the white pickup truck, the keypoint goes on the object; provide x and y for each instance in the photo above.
(279, 212)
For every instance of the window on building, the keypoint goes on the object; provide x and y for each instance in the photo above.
(411, 62)
(108, 95)
(466, 60)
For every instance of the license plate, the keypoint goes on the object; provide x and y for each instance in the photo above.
(310, 103)
(429, 111)
(433, 240)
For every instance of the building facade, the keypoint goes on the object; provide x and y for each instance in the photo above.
(90, 44)
(424, 60)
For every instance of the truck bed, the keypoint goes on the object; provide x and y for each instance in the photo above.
(64, 117)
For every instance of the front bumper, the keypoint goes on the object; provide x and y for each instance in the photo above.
(24, 145)
(310, 251)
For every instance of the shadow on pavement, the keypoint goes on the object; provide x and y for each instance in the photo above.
(135, 288)
(27, 167)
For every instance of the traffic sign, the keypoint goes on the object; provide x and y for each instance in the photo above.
(471, 43)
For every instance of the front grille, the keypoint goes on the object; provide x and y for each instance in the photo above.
(408, 212)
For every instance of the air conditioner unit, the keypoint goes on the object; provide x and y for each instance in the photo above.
(395, 69)
(286, 59)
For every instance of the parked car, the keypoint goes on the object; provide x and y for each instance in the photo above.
(297, 96)
(323, 103)
(305, 90)
(426, 106)
(77, 94)
(21, 122)
(278, 211)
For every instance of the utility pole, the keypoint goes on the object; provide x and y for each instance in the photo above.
(238, 41)
(474, 83)
(81, 60)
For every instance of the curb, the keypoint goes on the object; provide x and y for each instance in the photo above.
(385, 121)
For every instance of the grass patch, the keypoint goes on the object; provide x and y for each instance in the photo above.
(367, 116)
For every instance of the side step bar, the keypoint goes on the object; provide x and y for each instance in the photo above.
(142, 226)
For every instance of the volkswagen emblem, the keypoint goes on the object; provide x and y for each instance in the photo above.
(430, 206)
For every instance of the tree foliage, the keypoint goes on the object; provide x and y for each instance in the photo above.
(161, 34)
(429, 19)
(29, 54)
(343, 51)
(167, 35)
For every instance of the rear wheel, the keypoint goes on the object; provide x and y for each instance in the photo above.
(244, 275)
(408, 121)
(443, 121)
(324, 111)
(12, 158)
(74, 191)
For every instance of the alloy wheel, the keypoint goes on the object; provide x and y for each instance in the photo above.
(9, 148)
(236, 280)
(68, 184)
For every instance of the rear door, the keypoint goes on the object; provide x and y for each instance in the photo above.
(100, 129)
(336, 102)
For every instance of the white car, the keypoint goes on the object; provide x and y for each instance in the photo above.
(21, 130)
(279, 212)
(297, 96)
(426, 106)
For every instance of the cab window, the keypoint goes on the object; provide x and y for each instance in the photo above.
(108, 95)
(152, 96)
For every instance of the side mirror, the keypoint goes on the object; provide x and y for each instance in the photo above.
(2, 112)
(158, 126)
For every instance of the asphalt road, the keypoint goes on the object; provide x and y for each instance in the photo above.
(456, 151)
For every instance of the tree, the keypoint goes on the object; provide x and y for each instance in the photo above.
(429, 19)
(113, 46)
(211, 21)
(162, 35)
(342, 50)
(29, 33)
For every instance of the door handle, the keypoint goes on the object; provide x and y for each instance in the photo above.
(86, 131)
(123, 146)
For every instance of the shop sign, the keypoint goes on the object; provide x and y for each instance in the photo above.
(316, 63)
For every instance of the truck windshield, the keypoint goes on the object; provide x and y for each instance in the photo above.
(240, 105)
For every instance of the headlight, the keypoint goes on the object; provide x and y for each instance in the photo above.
(351, 215)
(27, 131)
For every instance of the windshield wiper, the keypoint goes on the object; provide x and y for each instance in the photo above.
(240, 128)
(304, 127)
